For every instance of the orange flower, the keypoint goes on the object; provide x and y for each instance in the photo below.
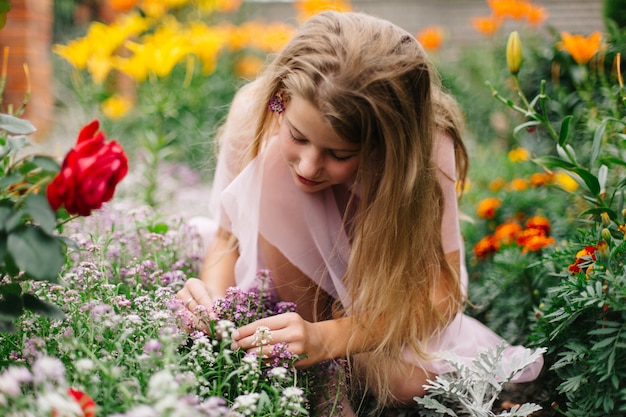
(581, 48)
(497, 184)
(487, 207)
(485, 246)
(122, 5)
(537, 242)
(507, 232)
(487, 25)
(539, 222)
(525, 235)
(540, 178)
(430, 37)
(515, 9)
(519, 184)
(536, 15)
(309, 8)
(584, 258)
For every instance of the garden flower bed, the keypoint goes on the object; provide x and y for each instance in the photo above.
(90, 324)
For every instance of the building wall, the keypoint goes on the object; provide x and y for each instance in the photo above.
(577, 16)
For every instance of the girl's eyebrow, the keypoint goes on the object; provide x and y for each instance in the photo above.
(291, 126)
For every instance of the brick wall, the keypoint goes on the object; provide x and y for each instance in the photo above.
(28, 34)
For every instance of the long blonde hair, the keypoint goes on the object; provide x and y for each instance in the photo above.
(372, 82)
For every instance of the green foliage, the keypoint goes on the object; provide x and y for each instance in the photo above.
(30, 248)
(583, 323)
(579, 311)
(615, 10)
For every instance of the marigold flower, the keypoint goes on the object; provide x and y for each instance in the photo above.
(506, 233)
(519, 184)
(539, 222)
(581, 48)
(540, 178)
(537, 242)
(584, 258)
(486, 246)
(527, 234)
(514, 61)
(487, 207)
(487, 25)
(430, 37)
(497, 184)
(519, 155)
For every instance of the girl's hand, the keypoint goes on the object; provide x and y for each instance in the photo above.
(199, 301)
(302, 338)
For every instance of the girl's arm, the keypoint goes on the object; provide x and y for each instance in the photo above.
(217, 274)
(304, 335)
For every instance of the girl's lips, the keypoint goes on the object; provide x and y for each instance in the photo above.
(307, 181)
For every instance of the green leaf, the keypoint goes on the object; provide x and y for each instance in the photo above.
(525, 126)
(3, 19)
(564, 133)
(36, 253)
(46, 163)
(597, 142)
(10, 180)
(43, 308)
(5, 215)
(590, 180)
(598, 211)
(553, 162)
(38, 207)
(5, 6)
(15, 125)
(13, 288)
(11, 307)
(158, 228)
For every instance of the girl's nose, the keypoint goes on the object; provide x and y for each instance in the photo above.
(311, 163)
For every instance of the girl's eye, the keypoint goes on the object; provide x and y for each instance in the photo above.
(340, 158)
(295, 139)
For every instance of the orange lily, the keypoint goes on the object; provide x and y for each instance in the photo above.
(581, 48)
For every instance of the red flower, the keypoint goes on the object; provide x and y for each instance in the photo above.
(86, 403)
(584, 258)
(89, 174)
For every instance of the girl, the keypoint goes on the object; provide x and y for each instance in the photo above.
(337, 172)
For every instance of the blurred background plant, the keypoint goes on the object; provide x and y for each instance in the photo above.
(163, 73)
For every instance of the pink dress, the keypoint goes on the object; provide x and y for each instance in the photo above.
(307, 228)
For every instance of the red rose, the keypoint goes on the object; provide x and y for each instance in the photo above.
(86, 403)
(89, 174)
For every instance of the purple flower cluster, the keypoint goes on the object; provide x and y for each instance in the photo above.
(242, 307)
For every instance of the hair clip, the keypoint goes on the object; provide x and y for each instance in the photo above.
(277, 104)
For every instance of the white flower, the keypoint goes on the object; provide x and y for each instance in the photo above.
(48, 369)
(53, 403)
(162, 384)
(84, 366)
(246, 404)
(279, 372)
(9, 386)
(262, 336)
(290, 392)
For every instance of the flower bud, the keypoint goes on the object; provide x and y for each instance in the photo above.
(606, 220)
(514, 52)
(606, 234)
(603, 251)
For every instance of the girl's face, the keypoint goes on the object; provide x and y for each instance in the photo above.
(317, 157)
